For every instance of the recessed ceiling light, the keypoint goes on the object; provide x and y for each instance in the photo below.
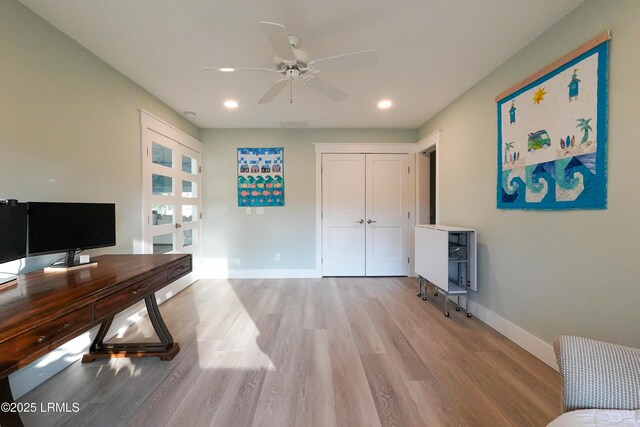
(384, 104)
(227, 70)
(231, 104)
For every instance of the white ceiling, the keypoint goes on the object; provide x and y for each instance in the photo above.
(430, 52)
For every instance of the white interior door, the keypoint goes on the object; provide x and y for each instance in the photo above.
(173, 196)
(387, 207)
(365, 208)
(343, 215)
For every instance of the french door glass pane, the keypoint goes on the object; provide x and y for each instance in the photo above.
(189, 165)
(189, 213)
(189, 189)
(161, 155)
(162, 185)
(190, 237)
(163, 243)
(162, 214)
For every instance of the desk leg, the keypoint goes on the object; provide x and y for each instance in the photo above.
(98, 342)
(8, 419)
(156, 320)
(166, 349)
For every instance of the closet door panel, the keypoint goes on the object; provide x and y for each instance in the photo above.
(343, 215)
(387, 208)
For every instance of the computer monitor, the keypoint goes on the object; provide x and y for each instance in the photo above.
(55, 227)
(13, 231)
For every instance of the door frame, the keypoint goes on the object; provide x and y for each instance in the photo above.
(360, 148)
(427, 144)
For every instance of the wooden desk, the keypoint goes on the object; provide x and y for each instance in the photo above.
(44, 310)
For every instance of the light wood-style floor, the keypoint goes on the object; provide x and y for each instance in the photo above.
(311, 352)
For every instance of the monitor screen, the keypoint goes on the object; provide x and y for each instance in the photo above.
(13, 231)
(63, 227)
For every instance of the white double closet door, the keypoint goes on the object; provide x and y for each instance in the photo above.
(365, 214)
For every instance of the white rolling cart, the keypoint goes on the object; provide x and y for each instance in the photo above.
(446, 257)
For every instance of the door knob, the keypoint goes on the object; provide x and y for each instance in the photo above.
(361, 221)
(370, 221)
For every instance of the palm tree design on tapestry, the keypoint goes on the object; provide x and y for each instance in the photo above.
(507, 146)
(583, 125)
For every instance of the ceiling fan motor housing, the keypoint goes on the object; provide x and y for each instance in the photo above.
(302, 59)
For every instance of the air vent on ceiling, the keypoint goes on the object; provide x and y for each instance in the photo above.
(294, 125)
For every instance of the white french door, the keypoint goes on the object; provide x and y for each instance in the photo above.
(365, 208)
(172, 193)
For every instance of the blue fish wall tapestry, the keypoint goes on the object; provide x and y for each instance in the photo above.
(260, 177)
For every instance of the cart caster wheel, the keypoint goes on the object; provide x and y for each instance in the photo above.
(468, 314)
(446, 314)
(457, 308)
(435, 294)
(424, 298)
(419, 294)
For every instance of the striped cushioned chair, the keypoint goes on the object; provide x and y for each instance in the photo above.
(600, 382)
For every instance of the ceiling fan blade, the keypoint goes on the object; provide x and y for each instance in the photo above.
(324, 88)
(354, 59)
(273, 91)
(232, 69)
(279, 40)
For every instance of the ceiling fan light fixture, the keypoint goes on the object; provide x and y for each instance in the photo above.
(384, 104)
(231, 104)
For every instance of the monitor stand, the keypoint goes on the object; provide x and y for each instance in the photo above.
(70, 264)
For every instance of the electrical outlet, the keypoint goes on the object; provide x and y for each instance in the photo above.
(277, 257)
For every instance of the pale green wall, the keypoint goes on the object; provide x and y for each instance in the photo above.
(69, 131)
(572, 272)
(250, 242)
(69, 124)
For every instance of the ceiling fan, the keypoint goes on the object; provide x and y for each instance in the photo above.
(294, 64)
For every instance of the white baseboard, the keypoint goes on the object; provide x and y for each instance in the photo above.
(534, 345)
(273, 274)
